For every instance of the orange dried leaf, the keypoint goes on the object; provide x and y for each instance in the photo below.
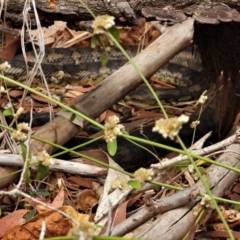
(59, 199)
(81, 182)
(52, 4)
(11, 220)
(87, 199)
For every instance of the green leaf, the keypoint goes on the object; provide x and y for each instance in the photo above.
(42, 171)
(24, 151)
(30, 215)
(115, 32)
(111, 190)
(27, 176)
(112, 147)
(104, 60)
(94, 40)
(8, 112)
(134, 184)
(42, 192)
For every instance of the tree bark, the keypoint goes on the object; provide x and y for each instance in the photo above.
(130, 10)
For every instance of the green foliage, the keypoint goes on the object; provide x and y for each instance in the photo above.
(8, 112)
(134, 184)
(94, 40)
(30, 215)
(112, 147)
(26, 157)
(104, 60)
(115, 33)
(42, 171)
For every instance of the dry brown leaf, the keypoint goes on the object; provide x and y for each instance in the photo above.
(81, 182)
(59, 199)
(12, 44)
(52, 4)
(86, 200)
(20, 233)
(15, 93)
(236, 188)
(41, 99)
(11, 220)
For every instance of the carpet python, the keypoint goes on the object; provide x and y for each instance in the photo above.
(82, 65)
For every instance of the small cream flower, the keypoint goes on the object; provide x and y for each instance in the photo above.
(191, 168)
(18, 135)
(44, 158)
(194, 124)
(206, 201)
(4, 66)
(19, 112)
(142, 175)
(23, 126)
(170, 127)
(102, 23)
(2, 90)
(112, 129)
(202, 99)
(120, 183)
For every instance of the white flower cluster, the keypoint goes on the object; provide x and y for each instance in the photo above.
(19, 134)
(202, 99)
(194, 124)
(170, 127)
(142, 175)
(44, 158)
(5, 66)
(120, 183)
(102, 23)
(206, 201)
(2, 89)
(19, 112)
(112, 129)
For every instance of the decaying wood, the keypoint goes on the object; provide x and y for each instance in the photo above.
(132, 10)
(174, 224)
(74, 8)
(117, 85)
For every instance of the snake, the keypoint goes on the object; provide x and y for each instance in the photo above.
(83, 65)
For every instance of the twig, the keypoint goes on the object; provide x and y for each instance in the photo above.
(226, 142)
(58, 165)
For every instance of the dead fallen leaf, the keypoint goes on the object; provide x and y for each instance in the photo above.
(80, 181)
(86, 200)
(59, 199)
(52, 4)
(41, 99)
(11, 220)
(15, 93)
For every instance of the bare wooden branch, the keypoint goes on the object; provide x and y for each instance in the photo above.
(58, 165)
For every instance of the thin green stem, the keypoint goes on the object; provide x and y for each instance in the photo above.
(195, 128)
(88, 9)
(139, 72)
